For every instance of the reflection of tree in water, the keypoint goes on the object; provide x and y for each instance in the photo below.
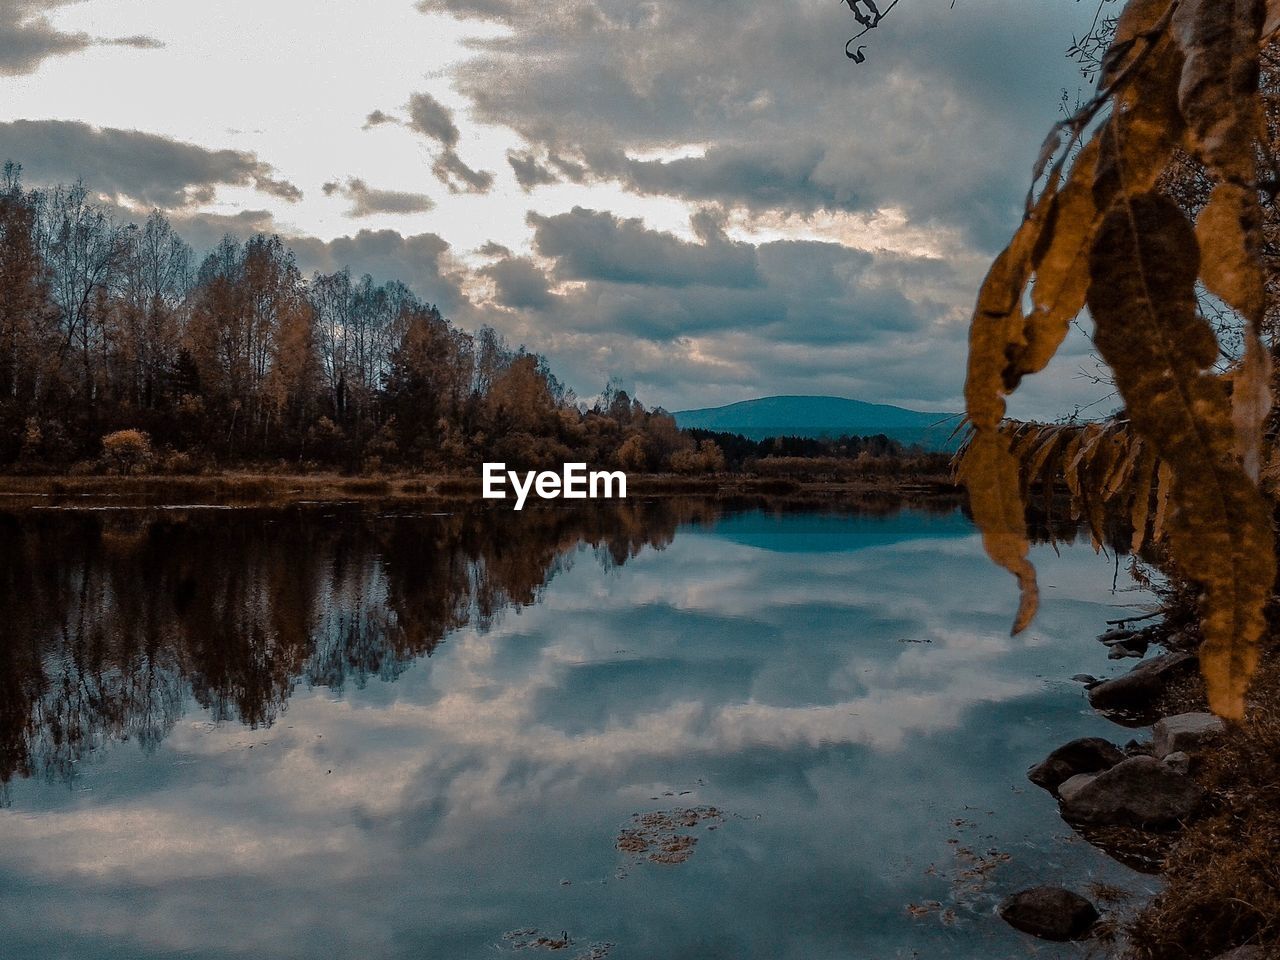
(115, 619)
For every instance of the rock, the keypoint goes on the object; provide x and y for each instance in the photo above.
(1050, 913)
(1135, 649)
(1244, 953)
(1140, 792)
(1185, 733)
(1072, 785)
(1139, 688)
(1178, 762)
(1086, 755)
(1118, 635)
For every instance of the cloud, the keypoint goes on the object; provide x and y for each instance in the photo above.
(595, 245)
(529, 172)
(368, 201)
(144, 167)
(760, 110)
(713, 319)
(519, 284)
(431, 118)
(28, 38)
(450, 170)
(422, 262)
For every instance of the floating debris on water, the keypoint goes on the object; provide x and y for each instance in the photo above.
(657, 837)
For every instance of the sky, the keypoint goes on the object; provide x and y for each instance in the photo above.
(701, 199)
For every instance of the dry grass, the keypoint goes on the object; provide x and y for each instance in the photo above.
(1223, 873)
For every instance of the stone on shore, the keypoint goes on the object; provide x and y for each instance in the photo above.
(1138, 689)
(1073, 785)
(1050, 913)
(1178, 762)
(1085, 755)
(1139, 792)
(1185, 733)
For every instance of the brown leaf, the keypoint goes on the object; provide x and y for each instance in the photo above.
(1219, 86)
(1062, 264)
(1250, 404)
(1144, 475)
(1145, 127)
(996, 333)
(990, 473)
(1164, 489)
(1144, 264)
(1229, 231)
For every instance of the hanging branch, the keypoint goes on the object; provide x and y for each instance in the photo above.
(869, 19)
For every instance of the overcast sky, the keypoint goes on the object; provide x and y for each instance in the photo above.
(703, 198)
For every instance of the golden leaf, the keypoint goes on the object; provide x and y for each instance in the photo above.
(996, 333)
(1062, 264)
(1144, 264)
(1229, 231)
(990, 473)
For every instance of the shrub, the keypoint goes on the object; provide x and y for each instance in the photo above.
(126, 451)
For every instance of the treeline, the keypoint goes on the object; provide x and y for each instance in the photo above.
(740, 452)
(111, 330)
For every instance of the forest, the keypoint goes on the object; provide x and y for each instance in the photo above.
(121, 351)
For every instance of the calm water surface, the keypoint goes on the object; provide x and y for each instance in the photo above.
(337, 732)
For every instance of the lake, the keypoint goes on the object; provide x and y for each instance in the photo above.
(670, 729)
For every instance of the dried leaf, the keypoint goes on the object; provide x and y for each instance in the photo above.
(1144, 265)
(1139, 17)
(990, 473)
(1062, 264)
(1129, 450)
(997, 334)
(1164, 489)
(1229, 231)
(1141, 507)
(1219, 86)
(1145, 128)
(1250, 404)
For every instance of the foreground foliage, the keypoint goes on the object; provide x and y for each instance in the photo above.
(1180, 79)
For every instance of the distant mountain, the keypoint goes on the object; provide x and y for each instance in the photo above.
(824, 417)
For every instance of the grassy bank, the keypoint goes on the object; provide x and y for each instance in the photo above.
(1223, 871)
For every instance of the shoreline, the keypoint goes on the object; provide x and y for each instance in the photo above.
(251, 488)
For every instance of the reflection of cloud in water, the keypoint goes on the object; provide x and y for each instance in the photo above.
(419, 818)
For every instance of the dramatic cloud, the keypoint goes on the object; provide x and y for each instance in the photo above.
(680, 319)
(591, 245)
(367, 201)
(27, 38)
(149, 169)
(762, 111)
